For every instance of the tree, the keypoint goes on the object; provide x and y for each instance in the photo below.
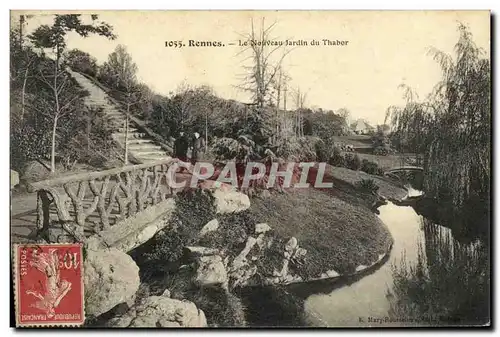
(455, 131)
(82, 62)
(54, 37)
(280, 87)
(265, 65)
(56, 103)
(22, 61)
(380, 141)
(300, 101)
(410, 124)
(345, 114)
(121, 69)
(124, 73)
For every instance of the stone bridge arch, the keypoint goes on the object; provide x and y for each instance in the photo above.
(412, 175)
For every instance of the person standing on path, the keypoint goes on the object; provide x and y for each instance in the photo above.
(198, 145)
(181, 147)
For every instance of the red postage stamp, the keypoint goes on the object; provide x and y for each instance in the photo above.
(49, 285)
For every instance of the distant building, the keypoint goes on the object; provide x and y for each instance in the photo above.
(361, 127)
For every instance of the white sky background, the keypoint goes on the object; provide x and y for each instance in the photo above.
(385, 49)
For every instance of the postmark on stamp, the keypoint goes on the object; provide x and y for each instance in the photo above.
(49, 284)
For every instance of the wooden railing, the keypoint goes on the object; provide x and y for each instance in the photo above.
(94, 201)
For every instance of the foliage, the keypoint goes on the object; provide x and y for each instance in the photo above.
(451, 129)
(298, 148)
(367, 185)
(119, 71)
(380, 140)
(449, 283)
(46, 103)
(337, 159)
(53, 36)
(326, 151)
(194, 208)
(90, 141)
(240, 150)
(352, 161)
(371, 167)
(82, 62)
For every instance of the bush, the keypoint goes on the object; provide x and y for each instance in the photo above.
(82, 62)
(241, 149)
(337, 159)
(367, 185)
(232, 234)
(325, 150)
(382, 151)
(371, 167)
(194, 208)
(352, 161)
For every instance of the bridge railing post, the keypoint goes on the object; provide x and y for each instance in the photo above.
(96, 201)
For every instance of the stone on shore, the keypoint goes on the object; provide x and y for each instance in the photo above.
(231, 201)
(211, 226)
(161, 311)
(111, 277)
(211, 271)
(262, 228)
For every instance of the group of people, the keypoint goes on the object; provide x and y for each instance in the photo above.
(183, 143)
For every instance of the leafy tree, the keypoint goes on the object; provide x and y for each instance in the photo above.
(380, 141)
(352, 161)
(56, 102)
(119, 71)
(455, 136)
(82, 62)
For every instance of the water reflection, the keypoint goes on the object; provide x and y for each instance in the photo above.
(429, 278)
(365, 301)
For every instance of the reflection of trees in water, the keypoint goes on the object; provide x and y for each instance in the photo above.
(272, 306)
(284, 305)
(449, 282)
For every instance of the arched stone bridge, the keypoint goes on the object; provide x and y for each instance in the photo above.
(406, 174)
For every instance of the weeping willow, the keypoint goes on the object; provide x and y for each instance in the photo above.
(451, 127)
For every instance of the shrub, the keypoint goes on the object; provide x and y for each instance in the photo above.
(382, 151)
(367, 185)
(194, 208)
(352, 161)
(337, 159)
(82, 62)
(371, 167)
(233, 231)
(325, 150)
(307, 150)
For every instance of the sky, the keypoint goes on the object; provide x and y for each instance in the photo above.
(384, 50)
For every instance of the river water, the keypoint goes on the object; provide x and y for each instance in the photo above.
(365, 301)
(360, 301)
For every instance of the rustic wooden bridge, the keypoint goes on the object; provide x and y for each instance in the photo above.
(118, 207)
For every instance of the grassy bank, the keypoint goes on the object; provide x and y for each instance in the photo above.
(337, 233)
(336, 226)
(343, 176)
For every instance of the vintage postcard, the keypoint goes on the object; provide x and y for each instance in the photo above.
(213, 169)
